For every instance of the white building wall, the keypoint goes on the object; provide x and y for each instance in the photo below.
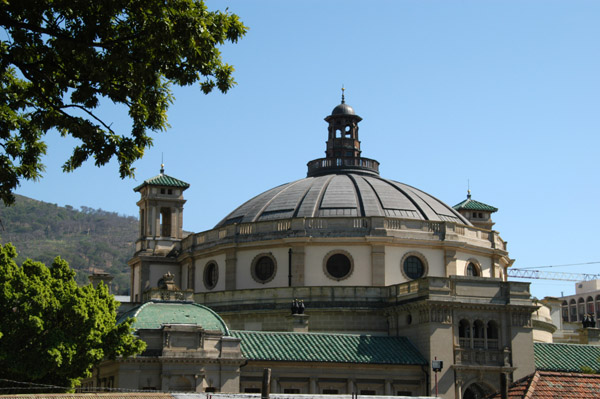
(244, 279)
(484, 262)
(157, 271)
(314, 257)
(393, 259)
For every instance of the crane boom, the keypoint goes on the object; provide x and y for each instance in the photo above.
(563, 276)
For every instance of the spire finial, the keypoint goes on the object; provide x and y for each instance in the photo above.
(162, 163)
(468, 189)
(343, 99)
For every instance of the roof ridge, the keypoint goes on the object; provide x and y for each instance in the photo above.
(315, 333)
(530, 391)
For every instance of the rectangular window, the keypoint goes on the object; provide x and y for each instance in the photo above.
(330, 391)
(252, 390)
(291, 390)
(367, 392)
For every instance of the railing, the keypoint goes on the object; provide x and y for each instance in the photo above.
(483, 357)
(328, 226)
(322, 165)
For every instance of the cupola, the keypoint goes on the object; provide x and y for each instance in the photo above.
(478, 213)
(342, 153)
(161, 209)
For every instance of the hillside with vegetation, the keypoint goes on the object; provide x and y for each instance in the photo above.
(91, 240)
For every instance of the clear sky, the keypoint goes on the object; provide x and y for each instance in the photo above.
(502, 94)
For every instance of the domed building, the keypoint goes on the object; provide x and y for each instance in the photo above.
(358, 255)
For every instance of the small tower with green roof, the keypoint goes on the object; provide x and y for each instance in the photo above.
(161, 212)
(478, 213)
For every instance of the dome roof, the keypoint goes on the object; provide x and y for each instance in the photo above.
(343, 195)
(153, 314)
(343, 109)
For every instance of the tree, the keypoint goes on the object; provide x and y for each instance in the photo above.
(59, 59)
(52, 331)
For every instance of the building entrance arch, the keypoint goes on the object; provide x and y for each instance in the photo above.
(476, 391)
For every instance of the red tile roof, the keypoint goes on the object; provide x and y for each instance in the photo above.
(555, 385)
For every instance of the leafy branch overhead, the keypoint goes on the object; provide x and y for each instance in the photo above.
(58, 59)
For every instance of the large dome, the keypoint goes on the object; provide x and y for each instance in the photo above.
(343, 195)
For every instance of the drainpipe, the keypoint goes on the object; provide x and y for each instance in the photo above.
(503, 386)
(290, 267)
(427, 382)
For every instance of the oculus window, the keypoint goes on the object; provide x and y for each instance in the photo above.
(211, 275)
(338, 265)
(263, 268)
(414, 265)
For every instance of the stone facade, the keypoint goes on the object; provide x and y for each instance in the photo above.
(367, 256)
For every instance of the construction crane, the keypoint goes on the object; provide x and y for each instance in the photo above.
(563, 276)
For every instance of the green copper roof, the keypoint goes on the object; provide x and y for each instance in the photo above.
(566, 357)
(472, 205)
(153, 314)
(163, 180)
(331, 348)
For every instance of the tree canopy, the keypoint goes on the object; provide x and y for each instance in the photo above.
(60, 58)
(52, 331)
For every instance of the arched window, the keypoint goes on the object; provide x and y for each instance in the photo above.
(464, 334)
(165, 222)
(478, 335)
(580, 309)
(476, 391)
(572, 311)
(492, 335)
(589, 305)
(472, 270)
(565, 311)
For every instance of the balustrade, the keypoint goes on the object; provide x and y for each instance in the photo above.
(337, 225)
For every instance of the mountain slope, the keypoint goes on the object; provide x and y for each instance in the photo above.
(89, 239)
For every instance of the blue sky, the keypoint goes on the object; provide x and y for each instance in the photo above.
(503, 94)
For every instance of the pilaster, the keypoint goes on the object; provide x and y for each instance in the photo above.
(230, 269)
(378, 265)
(297, 266)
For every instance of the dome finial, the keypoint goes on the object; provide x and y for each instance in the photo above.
(162, 163)
(468, 189)
(343, 99)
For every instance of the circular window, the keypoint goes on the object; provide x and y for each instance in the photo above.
(211, 275)
(414, 266)
(338, 265)
(263, 268)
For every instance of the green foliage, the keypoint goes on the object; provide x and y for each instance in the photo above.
(90, 239)
(52, 331)
(59, 59)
